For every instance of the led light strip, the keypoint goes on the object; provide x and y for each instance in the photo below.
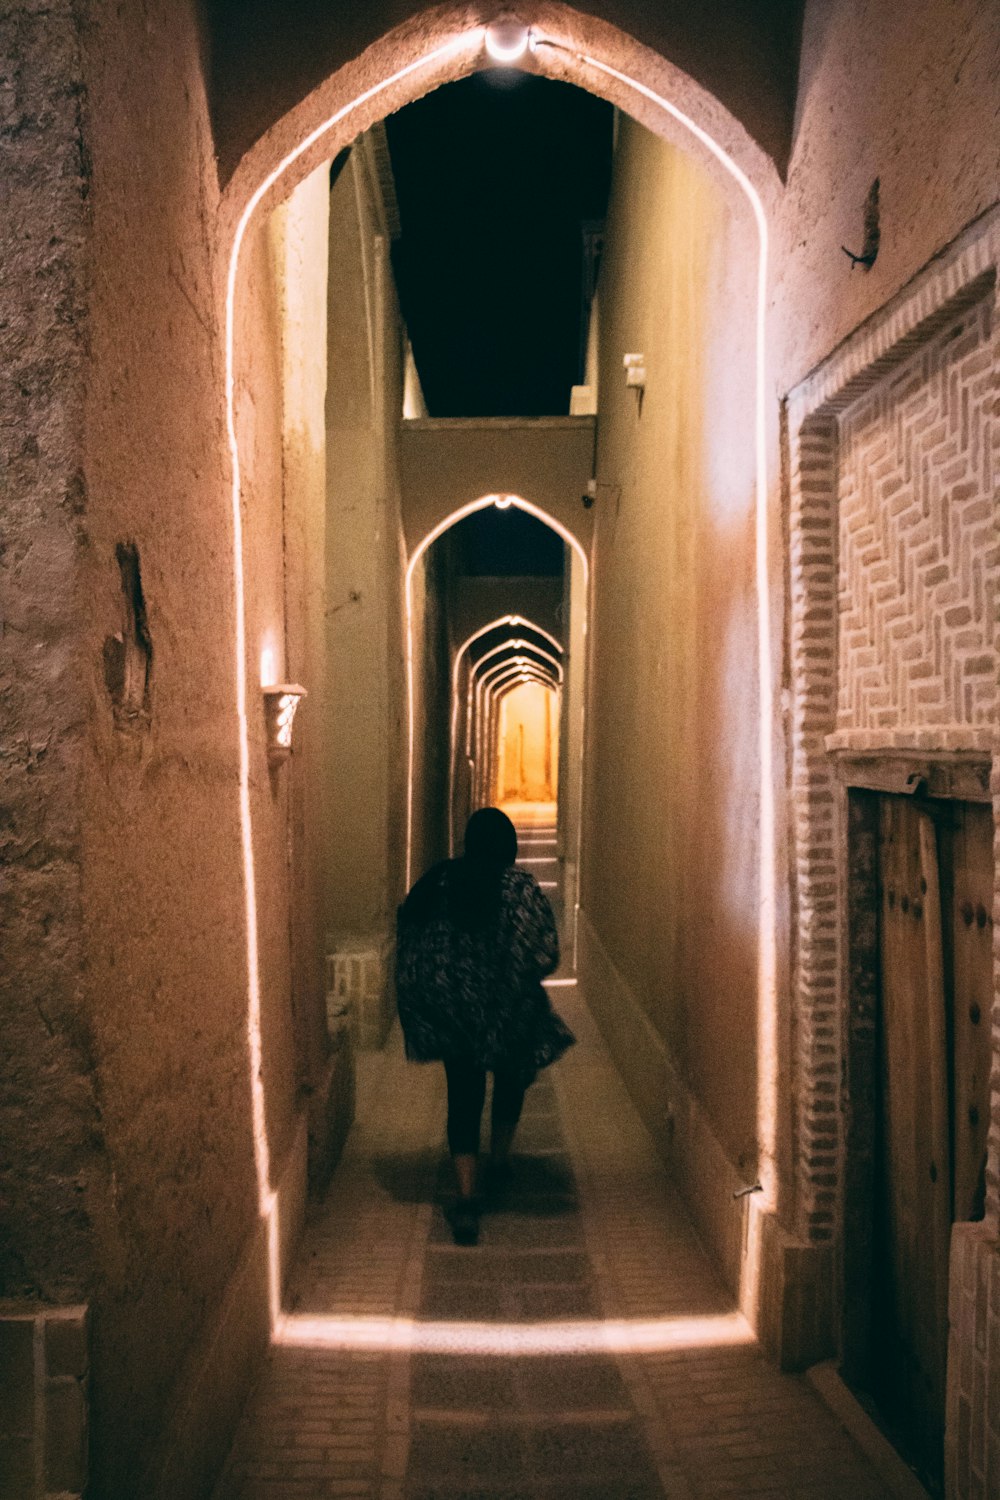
(517, 1340)
(767, 960)
(468, 42)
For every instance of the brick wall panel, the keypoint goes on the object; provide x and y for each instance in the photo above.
(894, 561)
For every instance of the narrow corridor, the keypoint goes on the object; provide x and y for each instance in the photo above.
(585, 1348)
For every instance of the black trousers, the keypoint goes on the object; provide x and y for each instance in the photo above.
(466, 1096)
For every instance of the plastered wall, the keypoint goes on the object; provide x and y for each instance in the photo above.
(431, 705)
(448, 462)
(365, 715)
(164, 982)
(298, 231)
(922, 126)
(142, 1111)
(53, 1170)
(670, 887)
(905, 94)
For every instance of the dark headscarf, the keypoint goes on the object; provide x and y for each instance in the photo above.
(490, 839)
(490, 848)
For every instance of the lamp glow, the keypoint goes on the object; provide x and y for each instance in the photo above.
(502, 502)
(268, 664)
(507, 41)
(516, 1340)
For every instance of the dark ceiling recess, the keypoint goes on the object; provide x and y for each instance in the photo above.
(496, 176)
(501, 543)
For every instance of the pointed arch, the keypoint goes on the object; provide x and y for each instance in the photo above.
(469, 509)
(400, 68)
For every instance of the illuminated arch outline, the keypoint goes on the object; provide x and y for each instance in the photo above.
(486, 682)
(476, 674)
(472, 709)
(491, 682)
(515, 621)
(767, 1069)
(512, 643)
(494, 696)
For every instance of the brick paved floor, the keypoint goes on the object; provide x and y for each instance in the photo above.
(412, 1368)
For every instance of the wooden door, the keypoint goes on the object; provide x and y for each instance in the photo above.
(914, 1194)
(967, 860)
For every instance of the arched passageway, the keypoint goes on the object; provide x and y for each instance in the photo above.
(490, 687)
(738, 839)
(481, 646)
(466, 660)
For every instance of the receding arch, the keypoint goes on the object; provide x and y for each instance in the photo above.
(447, 43)
(506, 681)
(493, 683)
(514, 644)
(515, 622)
(518, 622)
(494, 755)
(470, 508)
(517, 644)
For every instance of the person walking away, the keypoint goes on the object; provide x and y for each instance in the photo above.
(475, 939)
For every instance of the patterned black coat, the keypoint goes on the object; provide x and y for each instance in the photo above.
(477, 994)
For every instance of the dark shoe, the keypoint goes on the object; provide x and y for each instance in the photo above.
(499, 1175)
(463, 1216)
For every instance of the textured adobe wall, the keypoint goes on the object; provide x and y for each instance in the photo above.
(166, 970)
(432, 701)
(53, 1172)
(910, 95)
(265, 57)
(166, 955)
(574, 635)
(670, 844)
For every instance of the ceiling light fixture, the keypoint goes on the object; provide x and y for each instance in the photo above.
(507, 40)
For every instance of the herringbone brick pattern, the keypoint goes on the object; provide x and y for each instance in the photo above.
(895, 452)
(918, 552)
